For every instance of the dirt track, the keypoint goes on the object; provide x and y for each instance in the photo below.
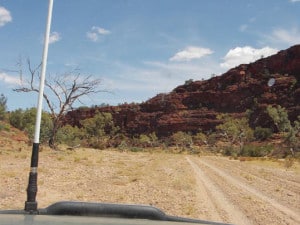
(245, 193)
(205, 187)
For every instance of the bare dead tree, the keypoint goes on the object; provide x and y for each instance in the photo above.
(61, 92)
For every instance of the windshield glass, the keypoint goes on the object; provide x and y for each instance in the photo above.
(185, 105)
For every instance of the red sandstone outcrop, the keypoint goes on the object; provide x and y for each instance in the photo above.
(194, 106)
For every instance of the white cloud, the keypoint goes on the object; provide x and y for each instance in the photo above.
(247, 54)
(294, 0)
(137, 84)
(100, 30)
(54, 37)
(9, 79)
(156, 77)
(5, 16)
(95, 33)
(92, 36)
(190, 53)
(290, 37)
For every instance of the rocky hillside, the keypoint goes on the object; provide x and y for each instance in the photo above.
(273, 80)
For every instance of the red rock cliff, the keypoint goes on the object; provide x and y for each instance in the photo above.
(195, 105)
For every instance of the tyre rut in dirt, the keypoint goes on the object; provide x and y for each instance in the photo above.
(223, 207)
(290, 215)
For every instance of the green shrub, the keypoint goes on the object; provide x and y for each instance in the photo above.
(256, 151)
(261, 133)
(144, 140)
(4, 126)
(98, 143)
(69, 135)
(25, 120)
(182, 139)
(136, 149)
(291, 130)
(100, 125)
(230, 151)
(3, 101)
(280, 118)
(123, 145)
(235, 130)
(98, 130)
(212, 139)
(15, 119)
(200, 138)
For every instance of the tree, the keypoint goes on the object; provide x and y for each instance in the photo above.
(25, 120)
(280, 118)
(61, 92)
(98, 128)
(3, 107)
(290, 131)
(235, 130)
(182, 139)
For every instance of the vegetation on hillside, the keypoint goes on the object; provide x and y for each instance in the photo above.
(232, 137)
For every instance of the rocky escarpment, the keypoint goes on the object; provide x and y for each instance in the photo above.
(194, 106)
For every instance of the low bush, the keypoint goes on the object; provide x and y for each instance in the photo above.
(4, 126)
(262, 133)
(230, 151)
(136, 149)
(69, 135)
(256, 151)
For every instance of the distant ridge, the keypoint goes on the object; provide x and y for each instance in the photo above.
(196, 104)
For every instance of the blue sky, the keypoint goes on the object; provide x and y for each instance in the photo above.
(140, 48)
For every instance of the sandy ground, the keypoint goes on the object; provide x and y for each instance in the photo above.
(205, 187)
(247, 192)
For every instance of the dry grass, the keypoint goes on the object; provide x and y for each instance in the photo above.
(288, 163)
(160, 179)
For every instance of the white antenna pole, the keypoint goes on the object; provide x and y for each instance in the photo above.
(43, 74)
(31, 204)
